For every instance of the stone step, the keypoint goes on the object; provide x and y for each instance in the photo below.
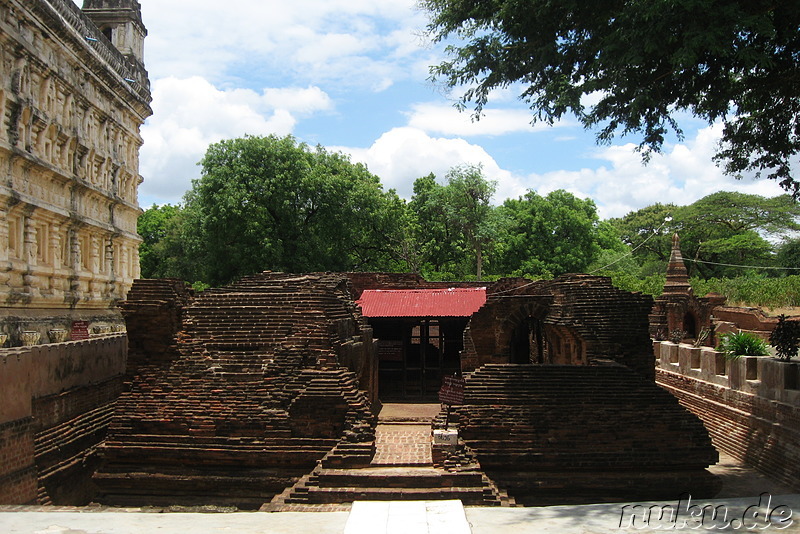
(469, 496)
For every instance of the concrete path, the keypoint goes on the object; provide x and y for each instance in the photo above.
(752, 514)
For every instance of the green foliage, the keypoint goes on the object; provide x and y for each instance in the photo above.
(154, 225)
(756, 291)
(467, 200)
(549, 236)
(785, 338)
(789, 256)
(735, 62)
(721, 228)
(269, 203)
(454, 224)
(736, 344)
(649, 285)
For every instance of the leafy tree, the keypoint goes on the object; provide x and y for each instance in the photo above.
(272, 203)
(468, 196)
(734, 61)
(789, 255)
(723, 227)
(548, 236)
(170, 246)
(729, 227)
(614, 257)
(154, 225)
(648, 232)
(436, 240)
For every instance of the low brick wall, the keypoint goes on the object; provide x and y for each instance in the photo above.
(751, 406)
(55, 401)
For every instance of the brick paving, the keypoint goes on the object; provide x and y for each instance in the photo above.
(402, 444)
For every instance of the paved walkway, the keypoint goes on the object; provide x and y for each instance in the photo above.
(402, 444)
(412, 517)
(403, 435)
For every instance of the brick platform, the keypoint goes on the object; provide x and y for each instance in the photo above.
(236, 393)
(402, 444)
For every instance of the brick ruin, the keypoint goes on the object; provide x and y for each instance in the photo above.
(749, 405)
(677, 312)
(561, 406)
(265, 391)
(232, 395)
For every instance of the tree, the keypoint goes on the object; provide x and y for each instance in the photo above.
(272, 203)
(439, 246)
(730, 227)
(721, 228)
(467, 199)
(789, 256)
(648, 232)
(548, 236)
(154, 225)
(735, 61)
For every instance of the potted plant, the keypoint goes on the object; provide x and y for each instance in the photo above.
(736, 344)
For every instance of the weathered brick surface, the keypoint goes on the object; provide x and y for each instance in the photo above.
(58, 400)
(239, 392)
(577, 434)
(584, 319)
(762, 433)
(68, 429)
(17, 467)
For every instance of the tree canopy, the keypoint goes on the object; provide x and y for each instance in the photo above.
(271, 203)
(549, 235)
(735, 61)
(721, 228)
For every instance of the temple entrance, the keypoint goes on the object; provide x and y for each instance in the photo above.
(420, 335)
(414, 355)
(527, 342)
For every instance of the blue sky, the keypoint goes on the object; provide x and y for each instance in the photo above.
(352, 75)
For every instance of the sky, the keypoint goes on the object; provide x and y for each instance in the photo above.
(353, 76)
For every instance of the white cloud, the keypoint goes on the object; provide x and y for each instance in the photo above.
(402, 155)
(681, 175)
(445, 119)
(189, 114)
(309, 40)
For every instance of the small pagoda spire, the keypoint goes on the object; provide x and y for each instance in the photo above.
(677, 275)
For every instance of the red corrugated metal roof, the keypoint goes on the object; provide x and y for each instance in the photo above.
(453, 302)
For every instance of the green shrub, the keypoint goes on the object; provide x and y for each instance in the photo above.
(738, 344)
(786, 338)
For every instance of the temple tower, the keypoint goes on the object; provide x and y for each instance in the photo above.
(677, 275)
(121, 22)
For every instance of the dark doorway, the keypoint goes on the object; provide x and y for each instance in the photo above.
(527, 342)
(690, 325)
(414, 354)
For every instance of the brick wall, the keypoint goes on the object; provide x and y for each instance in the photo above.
(54, 405)
(566, 434)
(582, 318)
(751, 406)
(17, 469)
(232, 395)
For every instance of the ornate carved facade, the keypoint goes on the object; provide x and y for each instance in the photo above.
(73, 95)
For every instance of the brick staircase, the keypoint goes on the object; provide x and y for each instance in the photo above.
(234, 394)
(401, 470)
(559, 434)
(341, 486)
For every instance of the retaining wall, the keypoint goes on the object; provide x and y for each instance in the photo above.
(751, 406)
(55, 403)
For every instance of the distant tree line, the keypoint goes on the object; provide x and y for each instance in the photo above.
(271, 203)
